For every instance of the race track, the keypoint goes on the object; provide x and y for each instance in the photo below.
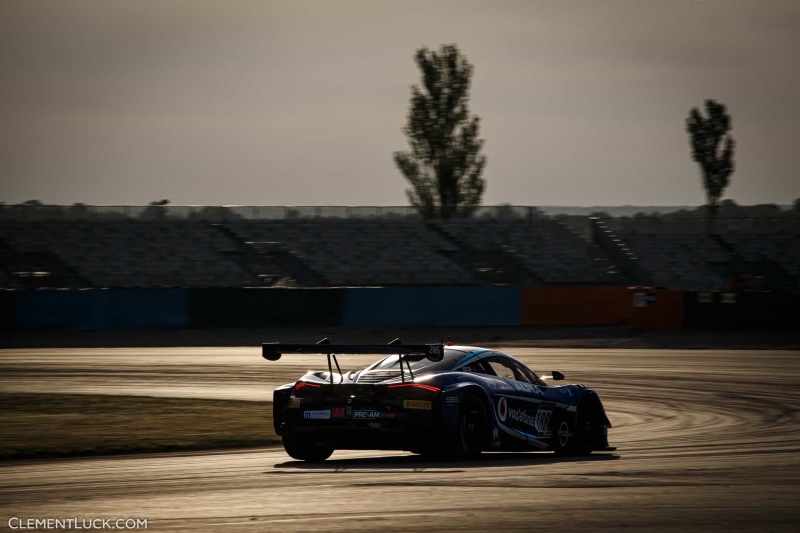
(707, 441)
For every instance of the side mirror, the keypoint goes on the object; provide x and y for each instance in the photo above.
(557, 376)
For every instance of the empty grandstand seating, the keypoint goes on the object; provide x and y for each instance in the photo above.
(547, 249)
(126, 253)
(782, 247)
(362, 252)
(681, 253)
(679, 260)
(400, 250)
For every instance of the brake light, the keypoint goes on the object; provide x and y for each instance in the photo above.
(311, 389)
(430, 388)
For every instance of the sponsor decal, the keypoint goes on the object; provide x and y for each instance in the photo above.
(337, 412)
(520, 418)
(451, 401)
(466, 368)
(317, 415)
(563, 434)
(639, 299)
(527, 387)
(521, 415)
(729, 297)
(348, 411)
(387, 415)
(294, 403)
(374, 424)
(495, 437)
(416, 404)
(502, 409)
(366, 414)
(500, 384)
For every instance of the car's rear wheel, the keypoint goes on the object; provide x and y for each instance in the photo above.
(306, 450)
(473, 427)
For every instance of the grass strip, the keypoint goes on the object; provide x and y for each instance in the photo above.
(61, 425)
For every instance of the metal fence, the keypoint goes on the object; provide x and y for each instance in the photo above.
(239, 212)
(667, 224)
(579, 223)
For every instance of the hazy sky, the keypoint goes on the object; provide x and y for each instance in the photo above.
(302, 102)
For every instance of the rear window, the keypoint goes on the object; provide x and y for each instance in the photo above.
(450, 357)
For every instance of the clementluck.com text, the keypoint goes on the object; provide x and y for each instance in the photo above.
(76, 523)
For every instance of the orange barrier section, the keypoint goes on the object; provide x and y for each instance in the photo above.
(575, 305)
(657, 309)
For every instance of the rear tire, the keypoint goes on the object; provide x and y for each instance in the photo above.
(473, 428)
(305, 450)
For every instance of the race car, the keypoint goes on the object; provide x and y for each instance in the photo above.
(434, 399)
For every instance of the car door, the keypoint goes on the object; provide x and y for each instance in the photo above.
(525, 412)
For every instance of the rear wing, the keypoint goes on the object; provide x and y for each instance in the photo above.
(273, 351)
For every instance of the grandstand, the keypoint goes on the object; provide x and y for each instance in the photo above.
(166, 246)
(680, 253)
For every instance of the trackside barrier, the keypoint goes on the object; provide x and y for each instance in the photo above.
(729, 310)
(8, 315)
(657, 309)
(264, 307)
(446, 306)
(575, 305)
(113, 309)
(129, 309)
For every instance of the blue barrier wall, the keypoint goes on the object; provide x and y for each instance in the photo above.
(8, 312)
(101, 309)
(445, 306)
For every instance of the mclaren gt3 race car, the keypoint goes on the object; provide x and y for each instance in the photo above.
(433, 399)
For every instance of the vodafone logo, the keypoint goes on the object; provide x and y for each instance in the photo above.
(502, 409)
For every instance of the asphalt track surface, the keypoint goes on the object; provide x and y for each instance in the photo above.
(708, 440)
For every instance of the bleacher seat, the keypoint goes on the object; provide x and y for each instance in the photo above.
(362, 252)
(131, 253)
(548, 250)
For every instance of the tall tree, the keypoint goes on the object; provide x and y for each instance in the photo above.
(712, 148)
(443, 164)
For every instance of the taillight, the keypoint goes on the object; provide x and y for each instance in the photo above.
(303, 389)
(416, 386)
(412, 390)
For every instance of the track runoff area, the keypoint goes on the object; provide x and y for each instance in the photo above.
(707, 440)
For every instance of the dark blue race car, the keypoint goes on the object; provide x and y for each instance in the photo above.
(433, 399)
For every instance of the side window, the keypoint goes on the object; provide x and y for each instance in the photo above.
(509, 369)
(501, 367)
(529, 375)
(479, 367)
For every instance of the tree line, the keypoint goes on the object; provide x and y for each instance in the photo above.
(444, 165)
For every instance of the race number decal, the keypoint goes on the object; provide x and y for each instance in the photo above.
(435, 352)
(542, 422)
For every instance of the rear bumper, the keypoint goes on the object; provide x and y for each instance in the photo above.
(353, 423)
(369, 438)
